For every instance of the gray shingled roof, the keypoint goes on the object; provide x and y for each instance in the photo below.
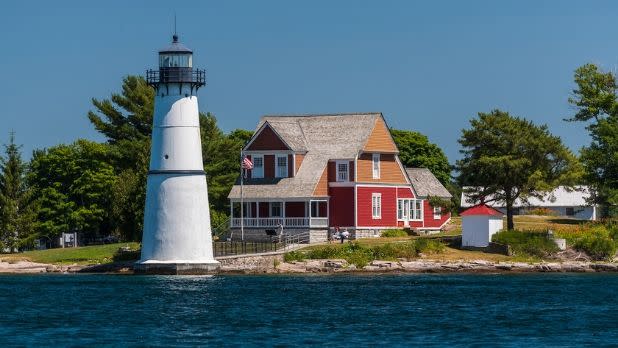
(322, 137)
(426, 184)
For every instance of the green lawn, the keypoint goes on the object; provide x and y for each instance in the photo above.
(82, 255)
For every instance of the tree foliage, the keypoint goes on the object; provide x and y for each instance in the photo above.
(597, 105)
(126, 121)
(16, 213)
(72, 184)
(415, 150)
(509, 158)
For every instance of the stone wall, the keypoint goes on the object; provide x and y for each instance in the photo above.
(251, 263)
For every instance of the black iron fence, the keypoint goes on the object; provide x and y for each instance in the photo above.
(176, 75)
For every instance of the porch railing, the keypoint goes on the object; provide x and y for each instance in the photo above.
(285, 222)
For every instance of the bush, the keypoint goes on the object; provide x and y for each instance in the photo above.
(394, 233)
(294, 256)
(392, 251)
(597, 246)
(429, 246)
(360, 255)
(528, 243)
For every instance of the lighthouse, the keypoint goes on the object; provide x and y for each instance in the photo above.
(177, 233)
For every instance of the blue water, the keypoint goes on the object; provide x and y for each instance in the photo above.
(342, 310)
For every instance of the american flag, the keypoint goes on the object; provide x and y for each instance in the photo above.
(246, 163)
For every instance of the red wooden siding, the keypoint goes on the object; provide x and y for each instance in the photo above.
(428, 216)
(294, 209)
(267, 139)
(269, 166)
(341, 209)
(264, 211)
(290, 166)
(404, 192)
(428, 221)
(389, 207)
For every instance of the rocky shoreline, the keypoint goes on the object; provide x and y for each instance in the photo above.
(332, 266)
(434, 266)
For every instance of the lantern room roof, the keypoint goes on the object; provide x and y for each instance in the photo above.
(175, 47)
(481, 209)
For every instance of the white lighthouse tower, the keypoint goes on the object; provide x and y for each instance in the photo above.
(177, 234)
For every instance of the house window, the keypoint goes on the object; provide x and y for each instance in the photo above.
(275, 209)
(416, 207)
(258, 166)
(437, 213)
(282, 166)
(410, 209)
(342, 171)
(376, 205)
(570, 211)
(376, 165)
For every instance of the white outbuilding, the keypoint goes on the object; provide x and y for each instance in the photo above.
(478, 224)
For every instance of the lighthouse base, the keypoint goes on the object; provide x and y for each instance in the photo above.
(176, 268)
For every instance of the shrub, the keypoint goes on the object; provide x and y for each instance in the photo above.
(528, 243)
(394, 233)
(597, 246)
(294, 256)
(392, 251)
(429, 246)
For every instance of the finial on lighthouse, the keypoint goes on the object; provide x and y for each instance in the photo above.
(175, 36)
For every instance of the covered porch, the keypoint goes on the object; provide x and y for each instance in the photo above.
(279, 213)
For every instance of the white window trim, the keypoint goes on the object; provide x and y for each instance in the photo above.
(270, 209)
(277, 166)
(347, 171)
(437, 213)
(422, 212)
(253, 171)
(411, 207)
(375, 159)
(376, 205)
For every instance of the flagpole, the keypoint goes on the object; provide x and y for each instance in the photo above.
(242, 204)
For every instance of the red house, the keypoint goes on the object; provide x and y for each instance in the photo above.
(318, 172)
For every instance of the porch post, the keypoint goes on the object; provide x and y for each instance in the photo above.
(283, 213)
(231, 213)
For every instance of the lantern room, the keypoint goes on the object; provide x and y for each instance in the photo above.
(175, 55)
(176, 67)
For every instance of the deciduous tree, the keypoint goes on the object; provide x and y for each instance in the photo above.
(415, 150)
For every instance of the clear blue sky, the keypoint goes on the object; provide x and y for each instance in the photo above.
(428, 66)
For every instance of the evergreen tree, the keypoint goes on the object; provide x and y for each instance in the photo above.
(126, 121)
(16, 216)
(596, 102)
(510, 157)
